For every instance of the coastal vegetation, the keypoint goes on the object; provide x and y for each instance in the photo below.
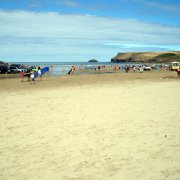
(166, 57)
(158, 57)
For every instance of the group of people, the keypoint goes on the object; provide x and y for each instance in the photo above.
(31, 75)
(39, 71)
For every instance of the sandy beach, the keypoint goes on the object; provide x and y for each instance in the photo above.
(91, 127)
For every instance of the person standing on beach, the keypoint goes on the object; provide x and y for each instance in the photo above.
(22, 76)
(178, 72)
(141, 70)
(32, 78)
(39, 73)
(127, 68)
(73, 69)
(134, 68)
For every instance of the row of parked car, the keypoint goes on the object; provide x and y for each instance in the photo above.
(14, 68)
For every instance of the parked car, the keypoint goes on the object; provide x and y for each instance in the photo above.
(3, 69)
(13, 69)
(174, 66)
(20, 67)
(147, 68)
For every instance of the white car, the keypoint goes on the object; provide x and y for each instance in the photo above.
(13, 69)
(147, 68)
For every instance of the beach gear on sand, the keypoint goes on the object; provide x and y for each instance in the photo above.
(44, 70)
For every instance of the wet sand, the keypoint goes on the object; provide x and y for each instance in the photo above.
(103, 126)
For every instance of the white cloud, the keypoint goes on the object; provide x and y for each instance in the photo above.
(30, 35)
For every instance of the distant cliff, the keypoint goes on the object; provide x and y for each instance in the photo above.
(161, 57)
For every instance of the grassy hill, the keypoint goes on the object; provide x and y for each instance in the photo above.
(161, 57)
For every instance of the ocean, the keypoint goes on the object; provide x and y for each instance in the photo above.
(63, 63)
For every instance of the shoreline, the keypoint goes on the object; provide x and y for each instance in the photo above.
(85, 79)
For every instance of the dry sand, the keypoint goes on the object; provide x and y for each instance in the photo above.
(115, 126)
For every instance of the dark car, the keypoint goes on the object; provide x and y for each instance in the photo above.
(3, 69)
(13, 69)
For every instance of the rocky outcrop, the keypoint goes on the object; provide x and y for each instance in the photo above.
(161, 57)
(93, 60)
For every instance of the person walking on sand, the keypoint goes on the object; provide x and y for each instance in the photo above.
(73, 69)
(39, 73)
(141, 70)
(32, 78)
(178, 72)
(127, 68)
(22, 76)
(134, 68)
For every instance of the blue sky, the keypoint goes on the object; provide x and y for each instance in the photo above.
(76, 30)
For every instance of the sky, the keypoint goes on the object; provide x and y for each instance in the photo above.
(77, 30)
